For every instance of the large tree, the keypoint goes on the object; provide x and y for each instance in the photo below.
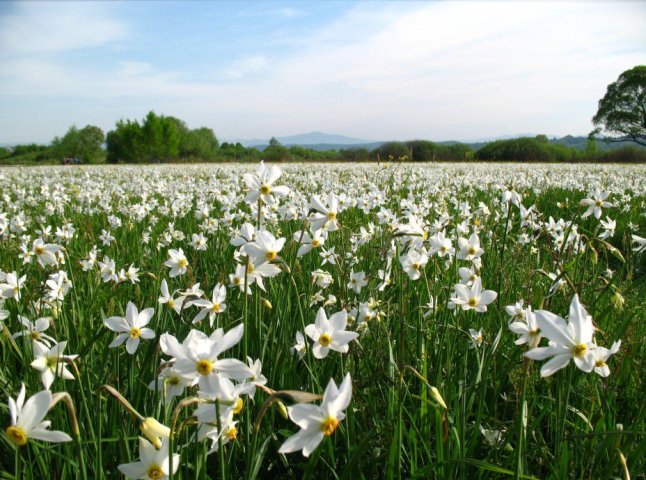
(84, 144)
(622, 111)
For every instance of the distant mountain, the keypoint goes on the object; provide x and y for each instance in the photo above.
(307, 139)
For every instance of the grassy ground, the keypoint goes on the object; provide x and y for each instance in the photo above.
(502, 419)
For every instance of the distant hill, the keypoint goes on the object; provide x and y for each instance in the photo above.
(308, 139)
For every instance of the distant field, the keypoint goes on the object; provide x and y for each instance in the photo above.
(417, 289)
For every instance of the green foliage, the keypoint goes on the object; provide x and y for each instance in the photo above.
(355, 154)
(392, 151)
(527, 149)
(199, 143)
(83, 145)
(622, 110)
(159, 139)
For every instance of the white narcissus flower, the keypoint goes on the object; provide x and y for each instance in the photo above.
(196, 359)
(413, 262)
(326, 213)
(265, 248)
(601, 355)
(27, 419)
(473, 298)
(167, 299)
(12, 286)
(198, 242)
(571, 340)
(45, 252)
(300, 347)
(51, 362)
(318, 421)
(640, 243)
(596, 203)
(307, 243)
(357, 281)
(476, 337)
(153, 464)
(261, 185)
(211, 307)
(177, 262)
(609, 227)
(469, 249)
(527, 327)
(131, 328)
(35, 330)
(441, 245)
(330, 334)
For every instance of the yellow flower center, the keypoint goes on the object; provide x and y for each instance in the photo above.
(533, 333)
(599, 363)
(237, 408)
(329, 425)
(170, 304)
(204, 367)
(331, 216)
(265, 189)
(599, 203)
(425, 235)
(34, 335)
(416, 266)
(39, 250)
(135, 332)
(271, 255)
(173, 381)
(472, 251)
(473, 302)
(316, 243)
(443, 249)
(155, 472)
(325, 339)
(232, 433)
(51, 362)
(579, 350)
(237, 281)
(17, 435)
(182, 262)
(216, 307)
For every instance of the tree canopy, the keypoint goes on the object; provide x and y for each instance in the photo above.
(83, 145)
(622, 110)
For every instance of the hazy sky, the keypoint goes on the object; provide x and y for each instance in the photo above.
(373, 70)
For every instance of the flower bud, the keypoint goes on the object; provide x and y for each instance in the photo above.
(437, 396)
(266, 303)
(154, 431)
(283, 410)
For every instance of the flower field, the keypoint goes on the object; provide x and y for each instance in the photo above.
(323, 321)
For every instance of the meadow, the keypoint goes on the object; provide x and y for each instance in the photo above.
(323, 321)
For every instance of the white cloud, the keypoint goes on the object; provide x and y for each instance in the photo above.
(246, 66)
(46, 27)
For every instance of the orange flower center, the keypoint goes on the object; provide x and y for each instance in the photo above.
(329, 425)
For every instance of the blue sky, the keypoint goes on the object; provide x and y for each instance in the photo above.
(373, 70)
